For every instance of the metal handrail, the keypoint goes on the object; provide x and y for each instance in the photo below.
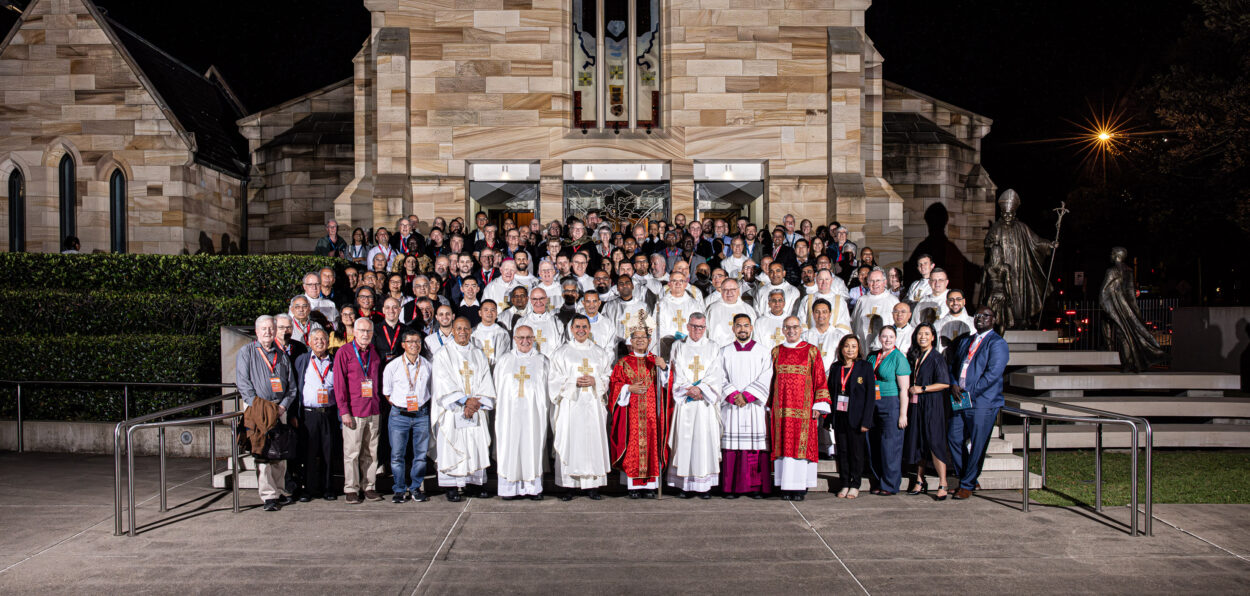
(1098, 418)
(130, 458)
(125, 385)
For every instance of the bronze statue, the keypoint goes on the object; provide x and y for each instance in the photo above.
(1014, 280)
(1122, 324)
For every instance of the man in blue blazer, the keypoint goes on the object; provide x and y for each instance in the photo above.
(977, 366)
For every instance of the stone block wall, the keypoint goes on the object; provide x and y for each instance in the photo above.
(66, 88)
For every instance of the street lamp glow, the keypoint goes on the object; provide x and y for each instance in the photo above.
(1104, 136)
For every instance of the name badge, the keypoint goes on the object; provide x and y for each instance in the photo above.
(414, 403)
(878, 390)
(915, 398)
(366, 388)
(275, 384)
(844, 402)
(323, 397)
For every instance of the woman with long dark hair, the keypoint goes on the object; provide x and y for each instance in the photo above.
(925, 439)
(850, 385)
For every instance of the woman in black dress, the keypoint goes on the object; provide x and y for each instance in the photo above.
(925, 439)
(850, 378)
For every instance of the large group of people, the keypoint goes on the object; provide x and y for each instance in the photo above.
(707, 357)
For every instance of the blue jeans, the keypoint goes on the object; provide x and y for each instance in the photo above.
(403, 432)
(885, 443)
(975, 425)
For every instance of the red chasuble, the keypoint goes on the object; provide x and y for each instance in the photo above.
(640, 430)
(798, 384)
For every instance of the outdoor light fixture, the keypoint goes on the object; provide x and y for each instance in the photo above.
(590, 175)
(642, 172)
(729, 172)
(505, 175)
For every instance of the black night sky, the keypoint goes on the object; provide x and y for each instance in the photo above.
(1030, 66)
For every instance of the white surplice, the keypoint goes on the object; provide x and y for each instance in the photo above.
(631, 313)
(694, 440)
(520, 421)
(548, 331)
(500, 291)
(494, 340)
(555, 295)
(462, 453)
(932, 308)
(748, 369)
(602, 332)
(720, 320)
(579, 415)
(951, 326)
(872, 312)
(671, 314)
(768, 330)
(766, 287)
(919, 290)
(839, 312)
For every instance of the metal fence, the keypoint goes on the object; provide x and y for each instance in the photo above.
(1080, 322)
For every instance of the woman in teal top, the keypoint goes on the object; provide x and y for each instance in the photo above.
(885, 439)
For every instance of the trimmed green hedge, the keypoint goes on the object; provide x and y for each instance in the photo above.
(143, 358)
(71, 312)
(275, 277)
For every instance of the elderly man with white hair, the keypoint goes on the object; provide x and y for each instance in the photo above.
(299, 311)
(548, 332)
(873, 311)
(358, 391)
(500, 288)
(265, 378)
(312, 291)
(550, 285)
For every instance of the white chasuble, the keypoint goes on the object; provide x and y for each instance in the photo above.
(720, 320)
(461, 446)
(548, 332)
(579, 415)
(872, 312)
(520, 421)
(694, 439)
(493, 340)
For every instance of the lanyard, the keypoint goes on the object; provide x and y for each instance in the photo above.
(845, 373)
(880, 358)
(303, 329)
(386, 250)
(272, 366)
(321, 375)
(390, 341)
(915, 374)
(412, 381)
(364, 362)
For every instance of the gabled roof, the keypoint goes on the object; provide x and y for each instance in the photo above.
(201, 107)
(319, 128)
(914, 129)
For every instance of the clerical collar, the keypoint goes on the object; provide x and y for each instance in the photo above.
(744, 347)
(637, 355)
(594, 319)
(791, 344)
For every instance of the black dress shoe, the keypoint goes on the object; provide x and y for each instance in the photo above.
(729, 496)
(704, 496)
(305, 497)
(271, 505)
(635, 494)
(537, 497)
(480, 493)
(594, 495)
(681, 494)
(648, 494)
(453, 495)
(785, 496)
(798, 496)
(757, 495)
(331, 497)
(285, 500)
(567, 496)
(419, 496)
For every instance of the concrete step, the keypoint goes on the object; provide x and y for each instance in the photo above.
(996, 462)
(247, 479)
(1063, 358)
(1151, 405)
(990, 480)
(997, 445)
(1110, 381)
(1081, 436)
(1019, 336)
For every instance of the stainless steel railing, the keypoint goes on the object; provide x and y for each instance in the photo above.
(125, 386)
(1098, 418)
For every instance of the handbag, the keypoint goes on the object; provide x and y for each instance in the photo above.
(280, 443)
(960, 401)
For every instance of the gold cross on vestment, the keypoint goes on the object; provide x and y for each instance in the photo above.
(521, 378)
(679, 320)
(489, 349)
(539, 339)
(778, 338)
(467, 373)
(695, 369)
(586, 369)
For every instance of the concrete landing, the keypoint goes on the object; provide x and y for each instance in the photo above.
(1018, 336)
(1081, 436)
(1063, 358)
(1112, 381)
(57, 539)
(1151, 405)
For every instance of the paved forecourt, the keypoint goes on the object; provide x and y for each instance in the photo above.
(56, 537)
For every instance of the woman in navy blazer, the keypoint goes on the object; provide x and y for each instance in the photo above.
(849, 381)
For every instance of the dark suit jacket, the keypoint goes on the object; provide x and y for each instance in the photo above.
(753, 252)
(395, 242)
(984, 382)
(301, 369)
(861, 406)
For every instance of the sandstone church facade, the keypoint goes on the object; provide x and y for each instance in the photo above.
(547, 108)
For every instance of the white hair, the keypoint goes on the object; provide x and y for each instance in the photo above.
(262, 320)
(277, 318)
(300, 297)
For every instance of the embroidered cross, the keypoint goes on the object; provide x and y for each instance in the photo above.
(521, 378)
(467, 373)
(696, 368)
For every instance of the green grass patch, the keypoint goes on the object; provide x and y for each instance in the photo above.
(1180, 476)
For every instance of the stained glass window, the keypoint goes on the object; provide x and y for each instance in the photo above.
(616, 64)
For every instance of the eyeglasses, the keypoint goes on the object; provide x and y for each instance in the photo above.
(982, 315)
(698, 326)
(524, 338)
(412, 341)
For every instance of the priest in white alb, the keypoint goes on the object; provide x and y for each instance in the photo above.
(746, 466)
(825, 337)
(576, 386)
(521, 417)
(500, 288)
(489, 334)
(548, 334)
(768, 325)
(630, 309)
(956, 323)
(463, 391)
(671, 312)
(602, 327)
(873, 310)
(696, 377)
(840, 314)
(720, 316)
(933, 306)
(776, 281)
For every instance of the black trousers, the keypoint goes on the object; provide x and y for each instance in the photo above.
(852, 447)
(317, 430)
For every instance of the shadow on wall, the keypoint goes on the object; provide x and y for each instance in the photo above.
(963, 274)
(228, 246)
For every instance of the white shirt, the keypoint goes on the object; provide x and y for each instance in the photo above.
(313, 383)
(402, 378)
(435, 342)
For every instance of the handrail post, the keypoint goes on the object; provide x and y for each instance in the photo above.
(161, 446)
(21, 439)
(130, 478)
(1043, 448)
(125, 402)
(1150, 497)
(1098, 469)
(212, 448)
(117, 479)
(234, 463)
(1025, 500)
(1133, 481)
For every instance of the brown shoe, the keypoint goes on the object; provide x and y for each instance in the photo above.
(354, 499)
(962, 494)
(373, 495)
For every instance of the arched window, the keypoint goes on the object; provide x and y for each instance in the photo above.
(69, 198)
(117, 211)
(17, 211)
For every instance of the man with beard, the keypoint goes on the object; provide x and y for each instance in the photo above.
(956, 324)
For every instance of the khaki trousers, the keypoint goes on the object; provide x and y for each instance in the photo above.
(360, 448)
(271, 479)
